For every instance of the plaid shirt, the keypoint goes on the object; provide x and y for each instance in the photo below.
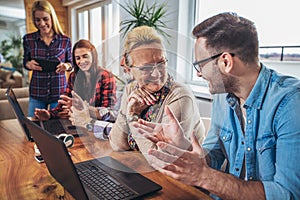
(47, 86)
(105, 91)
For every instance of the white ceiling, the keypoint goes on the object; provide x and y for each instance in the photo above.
(12, 10)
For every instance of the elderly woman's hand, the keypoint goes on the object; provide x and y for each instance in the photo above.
(77, 101)
(80, 116)
(170, 132)
(139, 100)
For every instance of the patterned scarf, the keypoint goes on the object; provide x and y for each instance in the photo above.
(150, 113)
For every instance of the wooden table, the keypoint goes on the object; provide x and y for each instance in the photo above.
(21, 177)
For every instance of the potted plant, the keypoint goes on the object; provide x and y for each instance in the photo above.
(12, 51)
(144, 14)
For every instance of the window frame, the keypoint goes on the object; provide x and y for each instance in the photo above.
(283, 54)
(191, 73)
(108, 55)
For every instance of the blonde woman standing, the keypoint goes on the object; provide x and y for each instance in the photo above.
(49, 44)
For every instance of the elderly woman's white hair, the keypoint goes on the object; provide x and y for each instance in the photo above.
(138, 36)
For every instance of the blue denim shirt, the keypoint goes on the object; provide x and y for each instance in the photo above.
(270, 144)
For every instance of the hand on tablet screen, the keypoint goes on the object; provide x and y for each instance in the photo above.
(47, 65)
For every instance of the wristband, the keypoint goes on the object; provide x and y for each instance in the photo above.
(69, 68)
(101, 129)
(133, 118)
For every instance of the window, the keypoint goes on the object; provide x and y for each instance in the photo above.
(275, 21)
(100, 25)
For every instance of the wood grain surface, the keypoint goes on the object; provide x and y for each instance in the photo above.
(22, 178)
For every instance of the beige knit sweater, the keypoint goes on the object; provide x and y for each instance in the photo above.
(181, 101)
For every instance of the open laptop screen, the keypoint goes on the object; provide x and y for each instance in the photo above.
(62, 168)
(18, 111)
(57, 163)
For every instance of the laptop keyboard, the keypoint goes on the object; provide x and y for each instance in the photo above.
(54, 126)
(105, 186)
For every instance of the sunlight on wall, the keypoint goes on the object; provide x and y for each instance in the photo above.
(275, 20)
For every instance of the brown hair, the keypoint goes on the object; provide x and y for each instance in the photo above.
(80, 86)
(230, 32)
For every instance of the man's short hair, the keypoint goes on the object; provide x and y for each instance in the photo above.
(230, 32)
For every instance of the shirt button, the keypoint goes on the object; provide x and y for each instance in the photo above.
(249, 121)
(237, 169)
(250, 178)
(243, 142)
(224, 137)
(248, 149)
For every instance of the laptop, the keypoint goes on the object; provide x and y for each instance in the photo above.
(54, 126)
(102, 178)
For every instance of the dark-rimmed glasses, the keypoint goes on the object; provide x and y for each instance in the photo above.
(198, 65)
(149, 68)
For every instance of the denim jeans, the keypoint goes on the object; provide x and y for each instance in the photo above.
(34, 103)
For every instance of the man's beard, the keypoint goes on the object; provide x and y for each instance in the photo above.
(228, 84)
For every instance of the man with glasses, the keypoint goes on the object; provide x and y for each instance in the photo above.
(255, 129)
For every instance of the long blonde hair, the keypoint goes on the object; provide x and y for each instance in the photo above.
(48, 8)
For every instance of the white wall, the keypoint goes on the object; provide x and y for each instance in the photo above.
(8, 29)
(291, 68)
(204, 107)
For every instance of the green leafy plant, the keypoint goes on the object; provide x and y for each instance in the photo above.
(144, 14)
(12, 51)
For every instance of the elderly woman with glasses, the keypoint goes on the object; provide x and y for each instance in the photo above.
(152, 90)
